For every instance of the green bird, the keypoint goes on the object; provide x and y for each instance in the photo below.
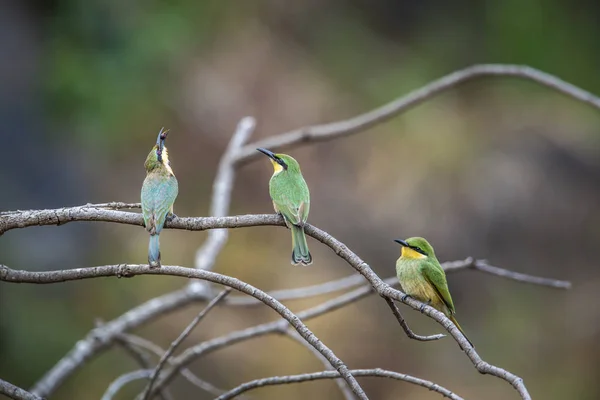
(159, 192)
(291, 199)
(422, 277)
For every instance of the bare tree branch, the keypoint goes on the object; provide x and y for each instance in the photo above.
(15, 392)
(344, 252)
(344, 388)
(483, 266)
(186, 332)
(386, 290)
(384, 113)
(405, 326)
(100, 338)
(123, 380)
(278, 326)
(282, 380)
(141, 343)
(129, 270)
(221, 197)
(143, 358)
(340, 249)
(84, 213)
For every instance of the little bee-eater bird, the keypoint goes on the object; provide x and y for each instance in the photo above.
(422, 277)
(291, 199)
(159, 191)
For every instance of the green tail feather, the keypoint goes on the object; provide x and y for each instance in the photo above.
(300, 253)
(460, 329)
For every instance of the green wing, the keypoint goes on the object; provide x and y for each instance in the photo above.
(294, 213)
(291, 198)
(435, 275)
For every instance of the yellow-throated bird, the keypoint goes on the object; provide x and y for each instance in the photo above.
(158, 194)
(422, 277)
(291, 199)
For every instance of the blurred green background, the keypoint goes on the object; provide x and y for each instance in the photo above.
(499, 168)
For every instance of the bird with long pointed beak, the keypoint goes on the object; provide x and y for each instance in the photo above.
(291, 199)
(423, 278)
(159, 192)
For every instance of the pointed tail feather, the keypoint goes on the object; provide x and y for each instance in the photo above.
(154, 251)
(460, 329)
(300, 253)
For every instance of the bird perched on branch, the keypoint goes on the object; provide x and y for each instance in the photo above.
(291, 199)
(159, 192)
(423, 278)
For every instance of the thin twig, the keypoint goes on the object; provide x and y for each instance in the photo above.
(384, 113)
(303, 292)
(141, 343)
(483, 266)
(115, 205)
(282, 380)
(123, 380)
(129, 270)
(143, 358)
(15, 392)
(344, 388)
(186, 332)
(405, 326)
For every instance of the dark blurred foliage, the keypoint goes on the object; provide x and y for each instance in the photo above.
(499, 168)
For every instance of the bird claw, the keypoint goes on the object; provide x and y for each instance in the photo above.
(406, 296)
(170, 217)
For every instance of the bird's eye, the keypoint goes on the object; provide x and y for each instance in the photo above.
(419, 250)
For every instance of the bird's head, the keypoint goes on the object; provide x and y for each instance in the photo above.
(159, 156)
(415, 248)
(281, 162)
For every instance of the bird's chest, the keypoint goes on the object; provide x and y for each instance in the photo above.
(413, 283)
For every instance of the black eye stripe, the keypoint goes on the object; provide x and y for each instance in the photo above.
(418, 250)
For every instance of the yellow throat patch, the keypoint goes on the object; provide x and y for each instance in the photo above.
(277, 168)
(411, 254)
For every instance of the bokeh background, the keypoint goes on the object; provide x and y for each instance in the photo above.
(499, 168)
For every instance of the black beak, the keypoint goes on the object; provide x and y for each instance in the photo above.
(402, 242)
(267, 153)
(162, 136)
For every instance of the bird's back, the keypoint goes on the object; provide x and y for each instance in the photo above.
(289, 192)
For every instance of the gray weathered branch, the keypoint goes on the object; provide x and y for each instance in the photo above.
(15, 392)
(405, 326)
(384, 113)
(86, 213)
(186, 332)
(338, 247)
(123, 380)
(128, 270)
(282, 380)
(342, 385)
(145, 344)
(383, 289)
(221, 195)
